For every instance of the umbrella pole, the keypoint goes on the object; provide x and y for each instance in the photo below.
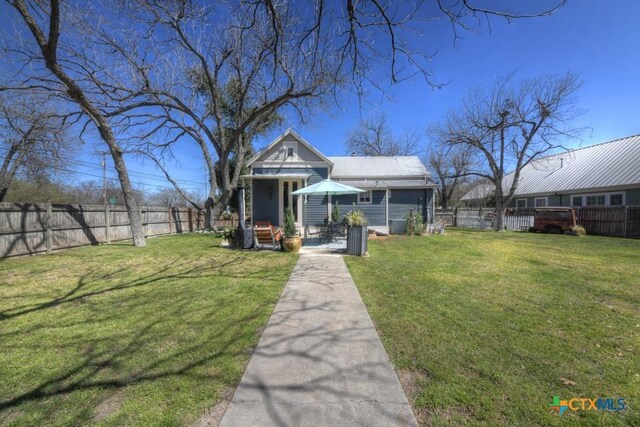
(304, 217)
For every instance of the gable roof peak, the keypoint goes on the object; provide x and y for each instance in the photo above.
(280, 138)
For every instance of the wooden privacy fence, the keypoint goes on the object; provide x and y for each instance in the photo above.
(31, 228)
(619, 221)
(616, 221)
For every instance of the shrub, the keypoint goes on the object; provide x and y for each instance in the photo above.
(228, 233)
(290, 229)
(356, 218)
(415, 224)
(578, 230)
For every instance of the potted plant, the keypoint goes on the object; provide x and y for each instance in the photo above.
(291, 241)
(335, 213)
(228, 238)
(356, 232)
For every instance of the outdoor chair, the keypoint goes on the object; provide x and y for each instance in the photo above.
(265, 234)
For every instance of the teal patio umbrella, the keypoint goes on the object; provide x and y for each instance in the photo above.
(325, 187)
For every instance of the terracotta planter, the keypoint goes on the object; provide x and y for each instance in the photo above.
(292, 244)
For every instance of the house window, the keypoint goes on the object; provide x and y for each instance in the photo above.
(597, 200)
(290, 150)
(521, 203)
(576, 201)
(616, 200)
(364, 198)
(541, 202)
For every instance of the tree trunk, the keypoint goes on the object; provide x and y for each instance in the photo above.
(209, 220)
(49, 48)
(213, 209)
(444, 202)
(130, 202)
(8, 170)
(499, 218)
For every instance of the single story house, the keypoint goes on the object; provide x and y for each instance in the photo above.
(394, 185)
(606, 174)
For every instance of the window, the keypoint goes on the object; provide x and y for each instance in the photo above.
(521, 203)
(290, 150)
(616, 200)
(576, 201)
(597, 200)
(541, 202)
(364, 198)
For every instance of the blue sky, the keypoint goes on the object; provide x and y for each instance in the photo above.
(598, 39)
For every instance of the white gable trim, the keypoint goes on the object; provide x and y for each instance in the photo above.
(300, 140)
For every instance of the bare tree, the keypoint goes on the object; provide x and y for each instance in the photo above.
(449, 167)
(373, 137)
(216, 73)
(79, 73)
(33, 141)
(512, 125)
(169, 197)
(232, 69)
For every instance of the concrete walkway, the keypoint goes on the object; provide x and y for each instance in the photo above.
(320, 361)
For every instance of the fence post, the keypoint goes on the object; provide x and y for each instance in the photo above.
(170, 222)
(107, 223)
(144, 233)
(455, 216)
(626, 221)
(190, 217)
(49, 232)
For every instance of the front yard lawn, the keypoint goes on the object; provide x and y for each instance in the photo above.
(486, 328)
(119, 335)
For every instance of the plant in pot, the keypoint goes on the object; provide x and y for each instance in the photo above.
(291, 241)
(357, 232)
(228, 238)
(335, 213)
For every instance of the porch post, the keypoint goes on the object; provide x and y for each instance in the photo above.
(304, 217)
(241, 217)
(304, 213)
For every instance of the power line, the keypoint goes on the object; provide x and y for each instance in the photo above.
(185, 183)
(169, 186)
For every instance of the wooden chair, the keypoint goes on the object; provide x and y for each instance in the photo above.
(266, 234)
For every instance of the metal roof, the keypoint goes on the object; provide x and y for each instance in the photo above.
(607, 165)
(277, 176)
(479, 192)
(378, 167)
(390, 183)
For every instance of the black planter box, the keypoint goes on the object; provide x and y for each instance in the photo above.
(357, 240)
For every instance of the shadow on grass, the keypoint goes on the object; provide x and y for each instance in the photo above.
(165, 273)
(148, 342)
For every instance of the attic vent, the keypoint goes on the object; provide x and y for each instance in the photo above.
(561, 162)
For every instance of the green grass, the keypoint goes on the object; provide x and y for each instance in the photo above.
(485, 328)
(119, 335)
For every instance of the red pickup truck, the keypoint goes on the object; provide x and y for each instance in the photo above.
(553, 220)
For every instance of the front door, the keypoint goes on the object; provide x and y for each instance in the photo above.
(287, 187)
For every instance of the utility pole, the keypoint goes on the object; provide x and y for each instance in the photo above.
(104, 177)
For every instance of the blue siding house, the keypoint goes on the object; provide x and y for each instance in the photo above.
(606, 174)
(394, 185)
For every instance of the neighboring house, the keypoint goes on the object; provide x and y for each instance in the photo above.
(394, 184)
(479, 196)
(606, 174)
